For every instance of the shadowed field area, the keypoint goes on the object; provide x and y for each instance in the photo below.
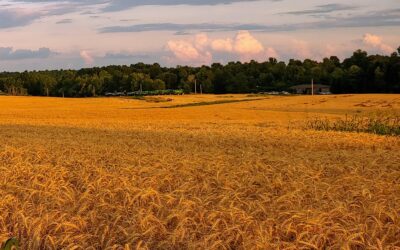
(129, 174)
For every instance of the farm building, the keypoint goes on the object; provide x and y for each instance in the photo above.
(306, 89)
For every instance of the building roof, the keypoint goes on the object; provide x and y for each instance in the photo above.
(308, 86)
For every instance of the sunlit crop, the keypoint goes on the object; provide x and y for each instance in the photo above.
(225, 172)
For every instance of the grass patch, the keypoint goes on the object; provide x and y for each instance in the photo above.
(212, 103)
(135, 97)
(374, 124)
(155, 99)
(152, 99)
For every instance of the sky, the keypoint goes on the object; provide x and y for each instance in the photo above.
(53, 34)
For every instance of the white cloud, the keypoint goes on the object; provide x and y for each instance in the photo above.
(246, 44)
(372, 40)
(85, 55)
(189, 52)
(198, 50)
(222, 45)
(249, 48)
(183, 50)
(376, 42)
(201, 41)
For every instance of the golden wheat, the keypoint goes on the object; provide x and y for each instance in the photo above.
(130, 174)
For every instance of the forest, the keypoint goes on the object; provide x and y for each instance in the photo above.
(360, 73)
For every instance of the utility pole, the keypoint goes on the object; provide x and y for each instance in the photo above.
(195, 86)
(141, 88)
(201, 89)
(312, 86)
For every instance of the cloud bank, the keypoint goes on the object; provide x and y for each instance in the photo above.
(201, 49)
(8, 53)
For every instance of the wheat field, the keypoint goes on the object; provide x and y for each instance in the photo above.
(197, 172)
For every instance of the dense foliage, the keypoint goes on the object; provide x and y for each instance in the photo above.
(361, 73)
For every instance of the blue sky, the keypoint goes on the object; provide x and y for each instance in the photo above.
(52, 34)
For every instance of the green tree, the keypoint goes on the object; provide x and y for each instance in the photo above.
(48, 83)
(155, 70)
(170, 79)
(151, 85)
(205, 78)
(137, 81)
(266, 81)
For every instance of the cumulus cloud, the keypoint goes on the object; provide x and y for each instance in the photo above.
(87, 57)
(183, 50)
(201, 41)
(189, 52)
(249, 48)
(200, 49)
(223, 45)
(245, 43)
(376, 42)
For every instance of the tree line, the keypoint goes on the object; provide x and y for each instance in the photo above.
(360, 73)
